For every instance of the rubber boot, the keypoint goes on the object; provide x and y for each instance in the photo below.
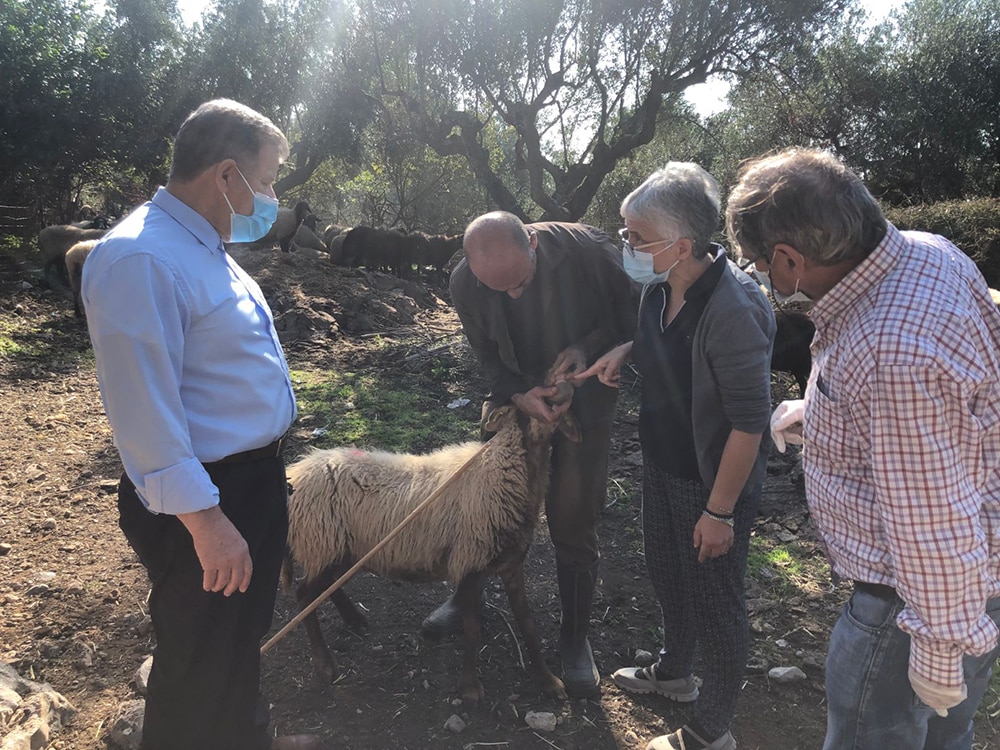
(576, 592)
(445, 620)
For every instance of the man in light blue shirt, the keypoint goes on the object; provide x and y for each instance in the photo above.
(198, 394)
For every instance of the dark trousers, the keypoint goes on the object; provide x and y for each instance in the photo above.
(578, 487)
(578, 484)
(703, 603)
(203, 691)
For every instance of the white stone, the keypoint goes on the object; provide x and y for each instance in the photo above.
(786, 674)
(455, 724)
(542, 721)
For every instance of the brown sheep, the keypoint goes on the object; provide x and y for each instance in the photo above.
(75, 258)
(344, 501)
(54, 241)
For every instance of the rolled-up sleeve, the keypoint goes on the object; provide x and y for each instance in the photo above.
(136, 314)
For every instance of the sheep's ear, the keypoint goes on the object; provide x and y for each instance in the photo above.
(493, 421)
(569, 427)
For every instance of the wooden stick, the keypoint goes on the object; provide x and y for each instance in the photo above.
(372, 552)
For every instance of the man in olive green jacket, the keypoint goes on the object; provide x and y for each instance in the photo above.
(539, 302)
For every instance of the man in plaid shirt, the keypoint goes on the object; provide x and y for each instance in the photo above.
(901, 431)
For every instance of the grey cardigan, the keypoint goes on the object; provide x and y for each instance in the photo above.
(731, 372)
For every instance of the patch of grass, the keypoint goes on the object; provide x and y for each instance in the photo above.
(786, 569)
(389, 412)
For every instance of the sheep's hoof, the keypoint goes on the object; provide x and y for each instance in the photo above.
(357, 623)
(326, 670)
(553, 687)
(471, 691)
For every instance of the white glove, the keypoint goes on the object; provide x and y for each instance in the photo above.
(938, 697)
(786, 423)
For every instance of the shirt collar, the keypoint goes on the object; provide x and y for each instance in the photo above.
(188, 218)
(862, 278)
(705, 284)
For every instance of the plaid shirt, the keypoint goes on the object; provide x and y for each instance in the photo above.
(902, 441)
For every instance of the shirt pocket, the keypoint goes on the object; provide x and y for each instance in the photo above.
(831, 437)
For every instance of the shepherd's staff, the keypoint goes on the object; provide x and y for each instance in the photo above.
(564, 394)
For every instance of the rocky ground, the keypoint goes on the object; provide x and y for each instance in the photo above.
(72, 594)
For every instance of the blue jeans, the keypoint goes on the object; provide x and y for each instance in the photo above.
(871, 705)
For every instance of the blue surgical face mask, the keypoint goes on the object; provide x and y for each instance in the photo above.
(251, 228)
(639, 265)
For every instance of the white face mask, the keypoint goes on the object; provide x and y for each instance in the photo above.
(782, 299)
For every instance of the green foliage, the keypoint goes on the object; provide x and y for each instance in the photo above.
(368, 411)
(972, 225)
(913, 105)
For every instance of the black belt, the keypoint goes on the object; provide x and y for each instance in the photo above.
(878, 590)
(271, 450)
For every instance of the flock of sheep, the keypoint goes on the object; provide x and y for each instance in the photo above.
(63, 248)
(394, 251)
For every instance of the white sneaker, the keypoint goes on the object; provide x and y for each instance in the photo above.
(643, 680)
(685, 739)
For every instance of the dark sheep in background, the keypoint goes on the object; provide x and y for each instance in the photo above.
(792, 338)
(75, 258)
(440, 249)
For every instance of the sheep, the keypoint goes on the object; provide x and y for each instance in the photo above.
(331, 231)
(791, 353)
(306, 237)
(75, 258)
(54, 241)
(344, 501)
(284, 227)
(336, 247)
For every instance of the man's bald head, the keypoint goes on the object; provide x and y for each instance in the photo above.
(500, 251)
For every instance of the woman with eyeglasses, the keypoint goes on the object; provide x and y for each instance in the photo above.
(703, 348)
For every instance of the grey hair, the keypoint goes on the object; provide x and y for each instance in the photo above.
(680, 200)
(807, 199)
(222, 129)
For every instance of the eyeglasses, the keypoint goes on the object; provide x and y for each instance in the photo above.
(629, 248)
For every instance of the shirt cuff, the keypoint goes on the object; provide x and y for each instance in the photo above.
(937, 662)
(181, 488)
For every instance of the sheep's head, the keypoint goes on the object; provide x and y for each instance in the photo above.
(508, 416)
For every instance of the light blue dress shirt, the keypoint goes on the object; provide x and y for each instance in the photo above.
(188, 361)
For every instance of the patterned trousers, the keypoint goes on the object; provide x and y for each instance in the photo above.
(703, 604)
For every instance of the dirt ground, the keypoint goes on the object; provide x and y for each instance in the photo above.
(82, 628)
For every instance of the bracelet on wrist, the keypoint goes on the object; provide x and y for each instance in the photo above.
(720, 510)
(728, 520)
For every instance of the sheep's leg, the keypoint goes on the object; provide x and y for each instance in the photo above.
(469, 596)
(513, 581)
(324, 662)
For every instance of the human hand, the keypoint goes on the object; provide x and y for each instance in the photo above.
(569, 362)
(536, 403)
(938, 697)
(712, 538)
(786, 423)
(221, 549)
(607, 368)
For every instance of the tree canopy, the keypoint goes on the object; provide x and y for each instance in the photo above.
(424, 112)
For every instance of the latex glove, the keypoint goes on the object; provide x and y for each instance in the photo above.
(938, 697)
(786, 423)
